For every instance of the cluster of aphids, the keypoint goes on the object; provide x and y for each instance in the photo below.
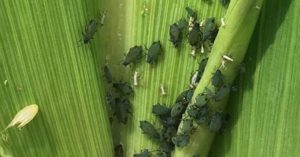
(200, 35)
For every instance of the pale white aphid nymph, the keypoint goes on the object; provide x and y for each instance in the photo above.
(24, 116)
(225, 59)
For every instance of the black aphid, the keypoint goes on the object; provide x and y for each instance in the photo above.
(107, 74)
(149, 130)
(199, 114)
(210, 30)
(201, 100)
(154, 52)
(161, 110)
(195, 36)
(222, 92)
(144, 153)
(119, 152)
(167, 133)
(185, 96)
(175, 34)
(191, 13)
(90, 30)
(215, 122)
(218, 79)
(170, 121)
(177, 109)
(181, 140)
(123, 87)
(123, 110)
(134, 54)
(182, 24)
(224, 2)
(201, 69)
(187, 126)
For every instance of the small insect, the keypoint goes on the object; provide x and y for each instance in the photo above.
(165, 148)
(5, 82)
(177, 109)
(194, 80)
(123, 87)
(161, 110)
(195, 36)
(119, 152)
(170, 121)
(167, 133)
(185, 96)
(135, 79)
(134, 54)
(217, 79)
(175, 35)
(180, 140)
(111, 102)
(209, 30)
(201, 69)
(182, 24)
(225, 59)
(107, 74)
(144, 153)
(187, 126)
(90, 30)
(199, 114)
(162, 90)
(24, 116)
(149, 130)
(215, 122)
(123, 109)
(222, 92)
(201, 100)
(223, 22)
(154, 52)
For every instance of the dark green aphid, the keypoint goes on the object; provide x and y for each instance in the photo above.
(107, 74)
(201, 69)
(191, 13)
(119, 152)
(170, 121)
(218, 79)
(187, 126)
(154, 52)
(149, 129)
(201, 100)
(199, 114)
(89, 32)
(195, 36)
(209, 30)
(134, 54)
(209, 93)
(182, 24)
(185, 96)
(166, 147)
(123, 110)
(215, 122)
(161, 110)
(144, 153)
(222, 92)
(224, 2)
(175, 35)
(167, 133)
(177, 109)
(180, 140)
(123, 87)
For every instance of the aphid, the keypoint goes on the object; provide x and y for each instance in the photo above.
(202, 49)
(177, 109)
(215, 122)
(199, 114)
(123, 109)
(134, 54)
(187, 126)
(180, 140)
(209, 29)
(201, 100)
(175, 35)
(119, 152)
(149, 130)
(191, 13)
(194, 80)
(162, 90)
(182, 24)
(185, 97)
(5, 82)
(209, 93)
(123, 88)
(195, 35)
(144, 153)
(24, 116)
(170, 121)
(135, 78)
(217, 79)
(201, 69)
(154, 52)
(224, 2)
(222, 92)
(89, 32)
(161, 110)
(111, 102)
(167, 133)
(107, 74)
(223, 22)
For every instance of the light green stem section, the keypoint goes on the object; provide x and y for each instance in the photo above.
(232, 40)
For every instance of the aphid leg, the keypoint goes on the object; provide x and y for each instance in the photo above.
(223, 22)
(162, 89)
(135, 78)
